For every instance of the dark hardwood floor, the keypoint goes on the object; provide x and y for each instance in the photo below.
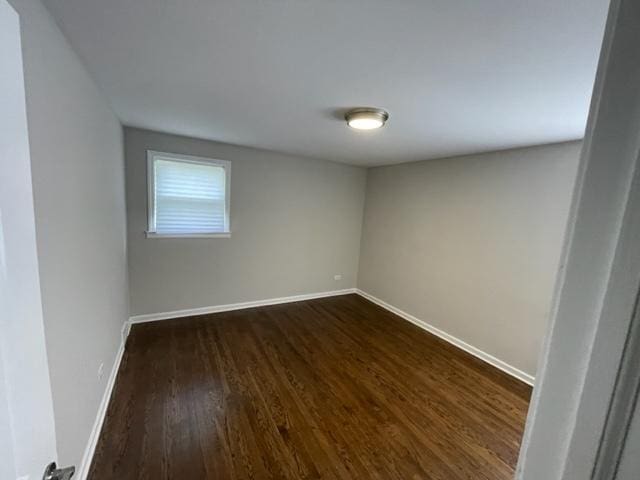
(335, 388)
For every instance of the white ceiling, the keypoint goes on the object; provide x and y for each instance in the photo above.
(457, 76)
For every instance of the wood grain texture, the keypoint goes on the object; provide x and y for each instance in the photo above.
(335, 388)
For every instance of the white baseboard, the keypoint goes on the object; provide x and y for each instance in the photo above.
(490, 359)
(484, 356)
(153, 317)
(83, 470)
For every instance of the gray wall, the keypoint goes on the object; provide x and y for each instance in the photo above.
(596, 300)
(471, 244)
(295, 223)
(78, 184)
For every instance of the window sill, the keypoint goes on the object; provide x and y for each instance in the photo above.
(188, 235)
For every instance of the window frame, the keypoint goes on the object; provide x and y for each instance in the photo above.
(152, 155)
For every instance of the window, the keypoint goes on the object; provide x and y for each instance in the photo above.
(188, 196)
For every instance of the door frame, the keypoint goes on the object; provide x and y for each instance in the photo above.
(26, 400)
(623, 405)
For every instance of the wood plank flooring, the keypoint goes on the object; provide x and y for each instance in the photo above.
(335, 388)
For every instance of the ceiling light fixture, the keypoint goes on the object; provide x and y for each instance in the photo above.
(366, 118)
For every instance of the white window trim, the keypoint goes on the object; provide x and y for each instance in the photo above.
(151, 221)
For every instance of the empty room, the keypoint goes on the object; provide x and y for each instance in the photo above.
(294, 239)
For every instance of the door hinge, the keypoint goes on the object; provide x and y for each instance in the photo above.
(52, 472)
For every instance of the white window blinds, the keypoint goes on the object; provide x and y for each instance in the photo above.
(189, 197)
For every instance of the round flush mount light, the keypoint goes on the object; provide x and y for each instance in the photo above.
(366, 118)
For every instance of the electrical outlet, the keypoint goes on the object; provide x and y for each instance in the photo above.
(337, 277)
(100, 371)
